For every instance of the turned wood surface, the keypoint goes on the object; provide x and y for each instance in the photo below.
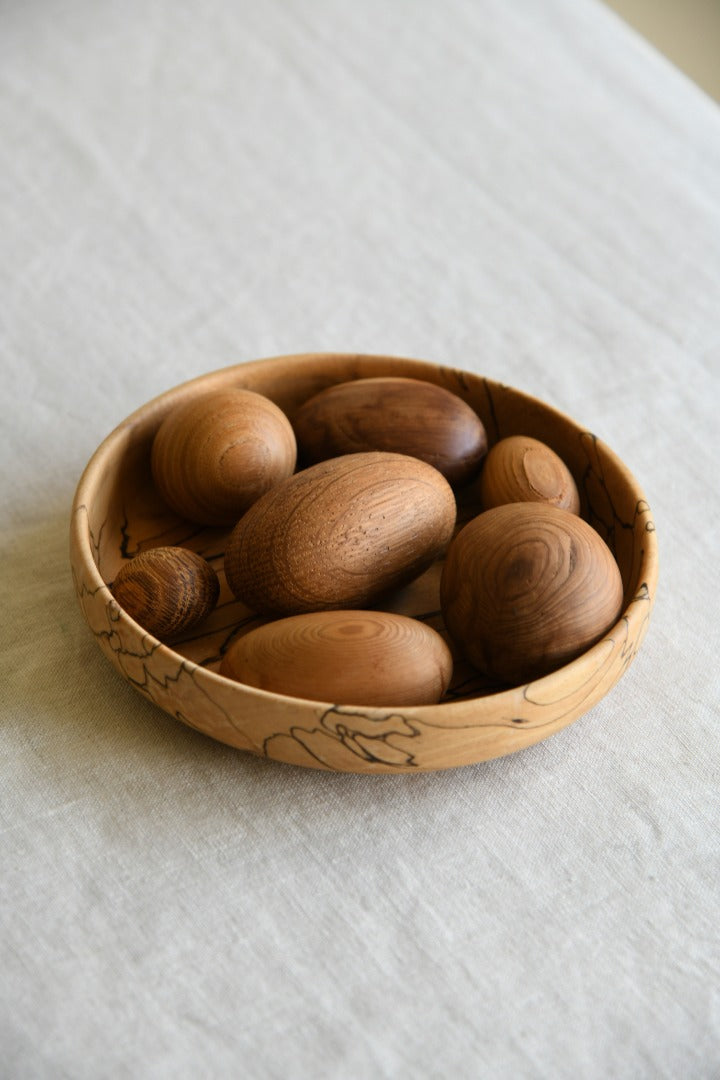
(339, 534)
(526, 588)
(167, 590)
(117, 512)
(215, 455)
(349, 657)
(521, 469)
(405, 416)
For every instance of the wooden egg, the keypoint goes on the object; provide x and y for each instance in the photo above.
(526, 588)
(521, 469)
(405, 416)
(345, 657)
(215, 455)
(167, 590)
(339, 534)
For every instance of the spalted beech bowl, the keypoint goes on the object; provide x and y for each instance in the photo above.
(117, 513)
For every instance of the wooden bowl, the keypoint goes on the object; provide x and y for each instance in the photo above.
(117, 513)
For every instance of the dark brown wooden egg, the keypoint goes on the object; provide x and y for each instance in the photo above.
(404, 416)
(521, 469)
(167, 590)
(527, 588)
(337, 535)
(215, 455)
(344, 657)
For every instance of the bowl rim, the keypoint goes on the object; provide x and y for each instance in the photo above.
(431, 715)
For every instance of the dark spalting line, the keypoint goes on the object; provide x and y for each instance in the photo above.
(95, 543)
(348, 737)
(81, 589)
(460, 378)
(155, 539)
(125, 539)
(594, 468)
(491, 406)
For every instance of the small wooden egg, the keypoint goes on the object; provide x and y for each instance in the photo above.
(215, 455)
(526, 588)
(167, 590)
(404, 416)
(521, 469)
(339, 534)
(345, 657)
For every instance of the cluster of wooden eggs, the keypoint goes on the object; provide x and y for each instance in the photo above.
(526, 586)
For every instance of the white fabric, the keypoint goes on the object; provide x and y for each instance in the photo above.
(526, 190)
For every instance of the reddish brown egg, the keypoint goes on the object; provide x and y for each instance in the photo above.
(167, 590)
(527, 588)
(399, 415)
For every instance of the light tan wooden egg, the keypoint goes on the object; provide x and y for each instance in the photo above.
(344, 657)
(521, 469)
(214, 456)
(167, 590)
(526, 588)
(337, 535)
(400, 415)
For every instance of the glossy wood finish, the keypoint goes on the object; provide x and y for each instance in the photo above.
(339, 534)
(167, 590)
(213, 456)
(526, 588)
(117, 512)
(521, 469)
(404, 416)
(349, 657)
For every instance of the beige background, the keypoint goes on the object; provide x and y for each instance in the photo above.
(687, 31)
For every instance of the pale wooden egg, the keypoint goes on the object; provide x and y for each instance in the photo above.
(337, 535)
(526, 588)
(400, 415)
(167, 590)
(215, 455)
(522, 469)
(344, 657)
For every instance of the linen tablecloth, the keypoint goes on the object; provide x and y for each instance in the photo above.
(524, 190)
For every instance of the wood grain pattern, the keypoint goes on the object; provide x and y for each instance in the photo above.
(167, 590)
(117, 513)
(339, 534)
(526, 588)
(215, 455)
(349, 657)
(522, 469)
(404, 416)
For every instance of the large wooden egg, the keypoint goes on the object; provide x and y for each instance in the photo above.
(216, 454)
(404, 416)
(339, 534)
(527, 588)
(348, 657)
